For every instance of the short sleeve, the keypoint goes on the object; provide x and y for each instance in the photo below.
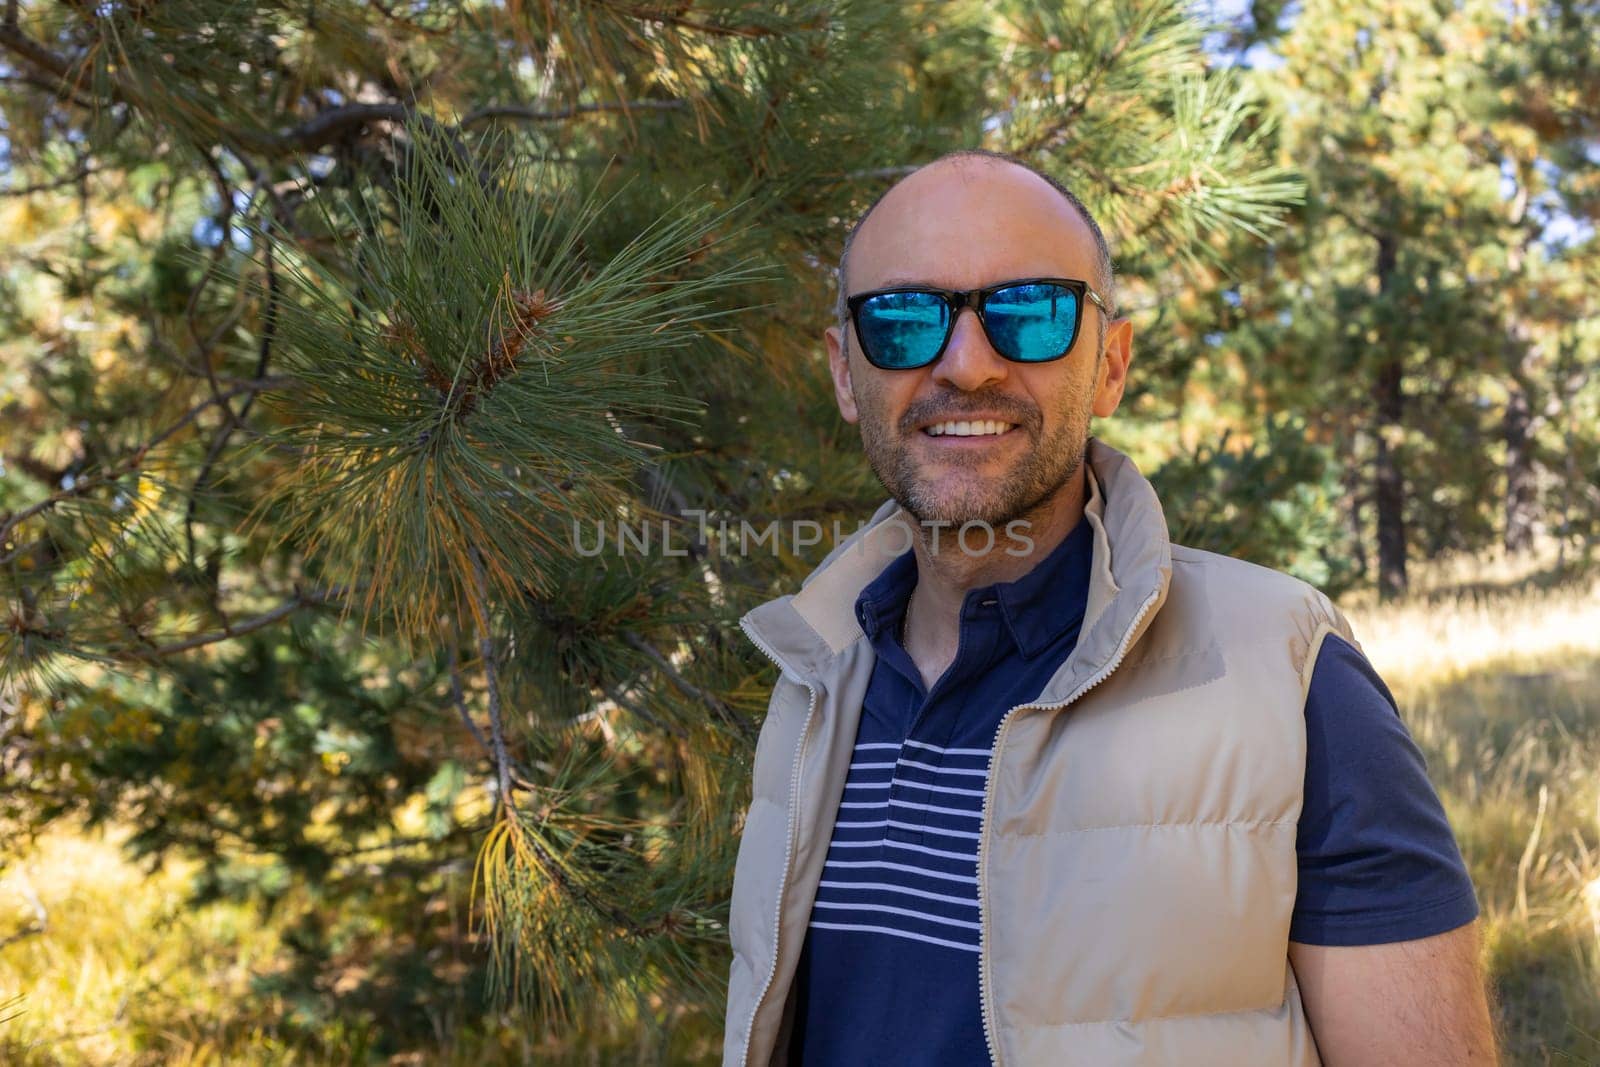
(1377, 859)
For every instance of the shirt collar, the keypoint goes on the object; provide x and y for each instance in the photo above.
(1037, 608)
(1049, 600)
(882, 603)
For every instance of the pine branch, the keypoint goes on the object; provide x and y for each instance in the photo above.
(301, 599)
(129, 463)
(711, 700)
(491, 677)
(679, 21)
(614, 694)
(328, 127)
(54, 183)
(1105, 62)
(26, 623)
(14, 40)
(458, 700)
(337, 124)
(533, 114)
(499, 359)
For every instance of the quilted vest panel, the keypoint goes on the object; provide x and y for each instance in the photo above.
(1138, 870)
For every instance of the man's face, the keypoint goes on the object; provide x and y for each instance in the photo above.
(964, 224)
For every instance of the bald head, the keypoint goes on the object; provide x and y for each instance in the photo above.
(1019, 188)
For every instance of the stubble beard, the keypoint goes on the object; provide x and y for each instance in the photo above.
(1025, 491)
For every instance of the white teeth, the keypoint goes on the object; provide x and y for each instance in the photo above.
(968, 428)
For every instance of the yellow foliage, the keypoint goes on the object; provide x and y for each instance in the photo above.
(21, 221)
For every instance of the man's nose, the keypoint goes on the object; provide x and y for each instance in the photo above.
(969, 362)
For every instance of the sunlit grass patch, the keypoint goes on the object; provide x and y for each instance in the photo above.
(1498, 678)
(111, 965)
(122, 970)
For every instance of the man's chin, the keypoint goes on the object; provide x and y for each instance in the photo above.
(955, 512)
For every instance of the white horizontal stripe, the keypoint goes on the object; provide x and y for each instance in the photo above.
(943, 788)
(885, 887)
(968, 834)
(968, 856)
(864, 825)
(969, 879)
(937, 770)
(876, 744)
(950, 751)
(933, 807)
(895, 933)
(869, 766)
(855, 844)
(909, 784)
(863, 804)
(964, 924)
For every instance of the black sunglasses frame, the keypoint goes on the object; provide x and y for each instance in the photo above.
(976, 299)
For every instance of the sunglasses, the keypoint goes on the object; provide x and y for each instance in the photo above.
(1033, 320)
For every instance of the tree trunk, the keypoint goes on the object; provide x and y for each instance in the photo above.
(1351, 480)
(1521, 497)
(1519, 426)
(1389, 492)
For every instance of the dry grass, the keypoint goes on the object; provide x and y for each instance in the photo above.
(117, 970)
(1497, 672)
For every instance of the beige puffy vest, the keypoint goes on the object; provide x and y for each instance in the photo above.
(1137, 868)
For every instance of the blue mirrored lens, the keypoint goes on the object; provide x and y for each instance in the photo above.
(1032, 323)
(902, 330)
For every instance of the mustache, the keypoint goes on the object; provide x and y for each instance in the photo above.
(1008, 410)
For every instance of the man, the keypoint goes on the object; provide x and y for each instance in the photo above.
(1037, 786)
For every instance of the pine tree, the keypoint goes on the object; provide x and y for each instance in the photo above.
(1417, 128)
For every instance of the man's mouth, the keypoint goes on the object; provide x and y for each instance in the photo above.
(969, 428)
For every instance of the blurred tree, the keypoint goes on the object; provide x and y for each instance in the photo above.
(1546, 69)
(1415, 305)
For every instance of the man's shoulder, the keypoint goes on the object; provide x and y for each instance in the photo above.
(1247, 600)
(1240, 576)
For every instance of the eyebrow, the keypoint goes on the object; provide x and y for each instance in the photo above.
(900, 281)
(896, 281)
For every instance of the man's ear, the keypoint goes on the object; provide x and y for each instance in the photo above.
(839, 367)
(1112, 375)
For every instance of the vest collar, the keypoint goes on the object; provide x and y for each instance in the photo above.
(1132, 565)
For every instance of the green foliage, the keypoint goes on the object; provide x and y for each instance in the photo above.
(1272, 502)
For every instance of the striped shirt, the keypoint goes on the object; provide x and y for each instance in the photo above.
(902, 862)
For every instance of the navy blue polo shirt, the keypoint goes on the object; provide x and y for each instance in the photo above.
(889, 969)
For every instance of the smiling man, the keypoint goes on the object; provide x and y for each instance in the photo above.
(1036, 785)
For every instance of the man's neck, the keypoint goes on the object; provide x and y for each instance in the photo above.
(949, 568)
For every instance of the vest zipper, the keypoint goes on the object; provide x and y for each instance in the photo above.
(788, 841)
(984, 992)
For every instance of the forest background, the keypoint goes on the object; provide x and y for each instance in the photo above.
(326, 327)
